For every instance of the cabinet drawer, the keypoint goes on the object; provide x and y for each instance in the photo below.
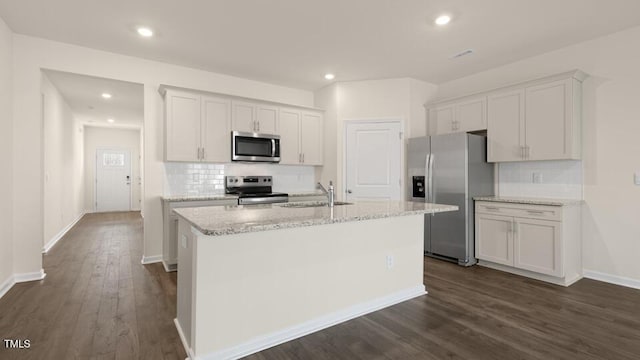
(541, 212)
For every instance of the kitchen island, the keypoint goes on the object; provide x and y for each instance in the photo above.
(251, 277)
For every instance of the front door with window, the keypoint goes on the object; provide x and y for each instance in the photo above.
(113, 180)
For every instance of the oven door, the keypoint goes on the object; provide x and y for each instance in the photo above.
(247, 146)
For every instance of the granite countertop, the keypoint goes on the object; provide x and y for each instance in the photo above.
(179, 198)
(227, 220)
(529, 200)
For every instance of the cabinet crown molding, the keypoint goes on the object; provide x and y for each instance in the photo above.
(575, 74)
(163, 88)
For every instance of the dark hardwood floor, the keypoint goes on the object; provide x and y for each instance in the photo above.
(98, 301)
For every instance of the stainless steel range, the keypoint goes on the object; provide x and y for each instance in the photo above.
(253, 190)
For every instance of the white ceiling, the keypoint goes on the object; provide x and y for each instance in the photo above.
(294, 42)
(83, 94)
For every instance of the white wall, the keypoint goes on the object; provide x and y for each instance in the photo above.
(6, 161)
(63, 163)
(611, 109)
(101, 137)
(32, 54)
(389, 99)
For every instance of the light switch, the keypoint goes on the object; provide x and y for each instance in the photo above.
(183, 241)
(636, 178)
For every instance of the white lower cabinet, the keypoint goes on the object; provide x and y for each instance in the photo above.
(539, 241)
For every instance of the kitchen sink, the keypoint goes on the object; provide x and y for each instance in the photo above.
(312, 204)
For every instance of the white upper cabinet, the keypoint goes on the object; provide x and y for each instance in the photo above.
(290, 136)
(539, 120)
(552, 131)
(311, 138)
(244, 117)
(216, 129)
(267, 119)
(255, 117)
(197, 128)
(505, 130)
(460, 116)
(301, 137)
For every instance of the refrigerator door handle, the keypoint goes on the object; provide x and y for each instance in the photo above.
(426, 185)
(431, 192)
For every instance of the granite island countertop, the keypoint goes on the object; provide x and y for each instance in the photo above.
(529, 200)
(184, 198)
(236, 219)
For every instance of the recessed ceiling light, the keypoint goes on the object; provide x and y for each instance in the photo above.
(443, 20)
(106, 95)
(110, 121)
(329, 76)
(144, 31)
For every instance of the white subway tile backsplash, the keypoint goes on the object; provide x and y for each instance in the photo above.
(208, 179)
(560, 179)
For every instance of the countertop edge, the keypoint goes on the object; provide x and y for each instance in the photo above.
(306, 223)
(530, 201)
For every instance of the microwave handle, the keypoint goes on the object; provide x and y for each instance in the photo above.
(273, 147)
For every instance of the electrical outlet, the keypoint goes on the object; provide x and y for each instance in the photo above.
(390, 261)
(537, 178)
(183, 241)
(636, 178)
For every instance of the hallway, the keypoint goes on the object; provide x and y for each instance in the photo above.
(97, 300)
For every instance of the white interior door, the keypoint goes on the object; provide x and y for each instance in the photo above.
(113, 180)
(373, 161)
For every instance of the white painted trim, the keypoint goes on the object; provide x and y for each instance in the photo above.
(276, 338)
(183, 339)
(169, 267)
(150, 259)
(7, 285)
(33, 276)
(61, 234)
(612, 279)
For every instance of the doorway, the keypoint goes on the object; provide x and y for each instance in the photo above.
(373, 160)
(113, 180)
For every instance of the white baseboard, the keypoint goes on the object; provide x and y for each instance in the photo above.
(150, 259)
(613, 279)
(7, 285)
(61, 234)
(183, 339)
(311, 326)
(33, 276)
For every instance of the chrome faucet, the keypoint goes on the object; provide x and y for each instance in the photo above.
(330, 193)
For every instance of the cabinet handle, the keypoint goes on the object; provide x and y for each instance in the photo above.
(303, 158)
(204, 154)
(299, 157)
(199, 156)
(527, 151)
(492, 208)
(258, 123)
(536, 212)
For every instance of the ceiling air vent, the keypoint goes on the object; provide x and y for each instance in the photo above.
(462, 53)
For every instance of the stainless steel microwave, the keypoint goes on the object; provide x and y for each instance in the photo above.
(247, 146)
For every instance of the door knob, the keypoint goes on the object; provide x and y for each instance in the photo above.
(349, 191)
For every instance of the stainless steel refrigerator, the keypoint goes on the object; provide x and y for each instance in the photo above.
(449, 169)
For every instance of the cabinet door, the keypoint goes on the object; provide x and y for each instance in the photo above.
(494, 238)
(311, 135)
(505, 126)
(267, 119)
(548, 121)
(471, 115)
(538, 246)
(290, 136)
(244, 117)
(444, 117)
(216, 129)
(182, 126)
